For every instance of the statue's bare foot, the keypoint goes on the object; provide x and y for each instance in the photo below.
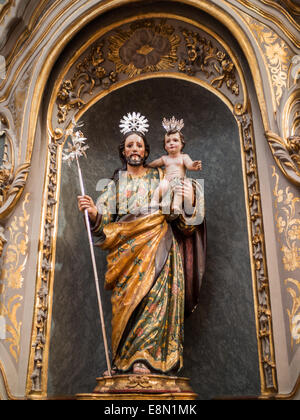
(113, 372)
(140, 369)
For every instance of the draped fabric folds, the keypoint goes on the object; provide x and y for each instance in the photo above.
(146, 269)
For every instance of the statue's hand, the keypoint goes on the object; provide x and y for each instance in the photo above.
(197, 165)
(186, 191)
(86, 203)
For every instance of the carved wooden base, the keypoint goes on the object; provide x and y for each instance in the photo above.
(140, 387)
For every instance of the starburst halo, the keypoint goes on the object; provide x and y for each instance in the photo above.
(172, 124)
(134, 122)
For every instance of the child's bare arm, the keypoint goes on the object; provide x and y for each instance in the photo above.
(191, 165)
(156, 163)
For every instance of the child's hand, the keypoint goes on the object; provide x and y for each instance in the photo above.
(197, 165)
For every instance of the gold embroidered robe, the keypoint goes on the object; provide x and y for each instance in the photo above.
(145, 272)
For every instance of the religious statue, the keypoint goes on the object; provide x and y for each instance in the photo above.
(155, 264)
(175, 163)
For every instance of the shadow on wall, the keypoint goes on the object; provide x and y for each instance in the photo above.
(220, 353)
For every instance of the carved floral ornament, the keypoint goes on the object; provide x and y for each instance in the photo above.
(282, 66)
(11, 277)
(286, 148)
(147, 46)
(12, 180)
(153, 46)
(288, 231)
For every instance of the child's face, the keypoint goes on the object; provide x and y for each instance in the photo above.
(173, 144)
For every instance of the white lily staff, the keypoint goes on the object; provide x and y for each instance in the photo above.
(76, 148)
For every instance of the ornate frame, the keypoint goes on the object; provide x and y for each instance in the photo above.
(97, 81)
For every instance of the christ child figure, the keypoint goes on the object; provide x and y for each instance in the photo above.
(175, 163)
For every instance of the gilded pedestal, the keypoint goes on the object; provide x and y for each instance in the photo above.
(140, 387)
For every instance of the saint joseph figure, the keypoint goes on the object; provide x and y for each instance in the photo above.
(155, 263)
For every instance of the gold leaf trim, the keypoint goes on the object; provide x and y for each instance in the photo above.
(288, 225)
(14, 263)
(277, 53)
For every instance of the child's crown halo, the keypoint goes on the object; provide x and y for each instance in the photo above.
(172, 124)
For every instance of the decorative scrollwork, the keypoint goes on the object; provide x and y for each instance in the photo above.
(88, 75)
(5, 8)
(293, 147)
(292, 6)
(146, 47)
(288, 224)
(286, 155)
(41, 313)
(14, 262)
(277, 53)
(12, 181)
(214, 63)
(288, 228)
(264, 317)
(11, 184)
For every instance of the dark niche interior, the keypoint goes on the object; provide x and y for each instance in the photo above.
(220, 354)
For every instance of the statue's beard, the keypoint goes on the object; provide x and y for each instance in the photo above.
(135, 161)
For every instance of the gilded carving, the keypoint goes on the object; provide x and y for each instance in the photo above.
(42, 308)
(88, 75)
(292, 5)
(286, 154)
(5, 8)
(203, 56)
(140, 387)
(288, 228)
(12, 183)
(286, 147)
(287, 8)
(263, 312)
(277, 53)
(14, 262)
(12, 180)
(18, 101)
(293, 148)
(273, 18)
(294, 312)
(145, 47)
(288, 224)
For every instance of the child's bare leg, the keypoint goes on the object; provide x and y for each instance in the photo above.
(159, 192)
(177, 203)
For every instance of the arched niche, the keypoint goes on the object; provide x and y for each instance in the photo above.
(220, 336)
(89, 75)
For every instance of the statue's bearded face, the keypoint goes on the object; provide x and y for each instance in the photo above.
(134, 151)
